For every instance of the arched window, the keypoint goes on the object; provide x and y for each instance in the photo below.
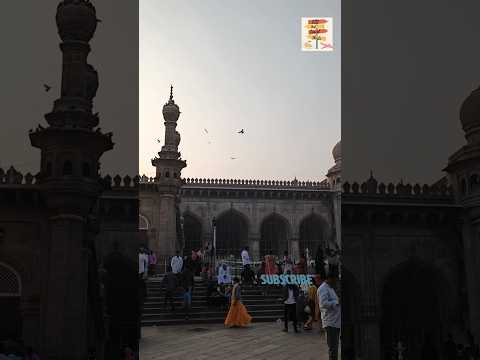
(10, 284)
(67, 168)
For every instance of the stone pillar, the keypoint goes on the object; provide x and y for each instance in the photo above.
(337, 217)
(254, 244)
(167, 232)
(294, 248)
(65, 326)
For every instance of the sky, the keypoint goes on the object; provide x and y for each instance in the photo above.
(239, 65)
(407, 66)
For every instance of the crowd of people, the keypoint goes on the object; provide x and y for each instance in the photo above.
(303, 305)
(147, 261)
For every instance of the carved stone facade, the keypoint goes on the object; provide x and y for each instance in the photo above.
(410, 256)
(267, 216)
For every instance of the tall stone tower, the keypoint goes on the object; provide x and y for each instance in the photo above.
(169, 166)
(70, 153)
(464, 174)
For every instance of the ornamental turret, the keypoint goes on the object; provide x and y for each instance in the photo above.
(169, 163)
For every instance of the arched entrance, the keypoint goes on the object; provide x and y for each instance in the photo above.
(10, 292)
(274, 233)
(192, 233)
(312, 234)
(414, 307)
(232, 233)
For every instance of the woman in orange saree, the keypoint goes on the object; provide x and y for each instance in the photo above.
(237, 315)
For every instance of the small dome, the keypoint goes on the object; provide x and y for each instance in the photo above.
(171, 111)
(470, 116)
(337, 152)
(76, 20)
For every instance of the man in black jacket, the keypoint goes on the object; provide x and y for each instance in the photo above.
(290, 296)
(169, 282)
(187, 284)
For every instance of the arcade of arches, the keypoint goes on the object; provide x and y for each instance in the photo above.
(275, 233)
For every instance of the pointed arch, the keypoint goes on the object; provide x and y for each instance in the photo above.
(275, 230)
(232, 232)
(10, 312)
(192, 232)
(312, 232)
(10, 281)
(415, 320)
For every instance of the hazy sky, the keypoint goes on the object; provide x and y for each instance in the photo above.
(407, 66)
(238, 64)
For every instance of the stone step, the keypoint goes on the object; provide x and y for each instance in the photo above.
(263, 303)
(157, 309)
(212, 320)
(179, 314)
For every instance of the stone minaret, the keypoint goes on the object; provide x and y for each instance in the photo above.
(464, 174)
(70, 153)
(169, 166)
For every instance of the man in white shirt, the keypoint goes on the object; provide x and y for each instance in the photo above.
(177, 263)
(331, 314)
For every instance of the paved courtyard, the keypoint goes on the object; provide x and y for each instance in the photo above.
(259, 341)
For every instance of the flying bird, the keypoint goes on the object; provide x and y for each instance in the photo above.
(158, 140)
(46, 87)
(206, 131)
(242, 131)
(233, 158)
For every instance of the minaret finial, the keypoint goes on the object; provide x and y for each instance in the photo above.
(171, 92)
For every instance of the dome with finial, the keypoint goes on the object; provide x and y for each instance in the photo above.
(171, 111)
(470, 116)
(76, 20)
(337, 151)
